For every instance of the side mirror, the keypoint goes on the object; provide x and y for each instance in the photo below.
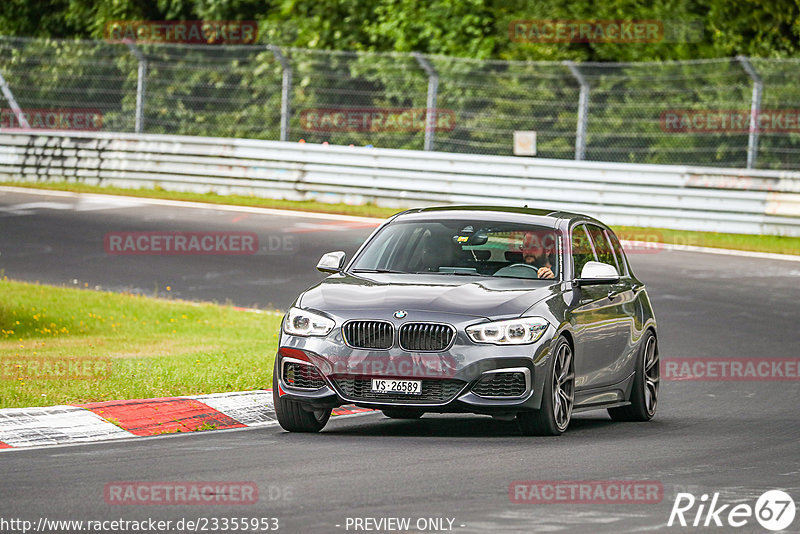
(332, 262)
(596, 273)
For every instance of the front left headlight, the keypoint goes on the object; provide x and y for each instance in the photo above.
(305, 323)
(510, 332)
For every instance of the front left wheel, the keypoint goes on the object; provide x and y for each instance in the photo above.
(644, 394)
(292, 416)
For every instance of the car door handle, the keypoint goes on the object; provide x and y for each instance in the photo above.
(611, 294)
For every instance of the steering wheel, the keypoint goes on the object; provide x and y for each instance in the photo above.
(519, 270)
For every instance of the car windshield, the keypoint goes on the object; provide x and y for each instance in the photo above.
(463, 247)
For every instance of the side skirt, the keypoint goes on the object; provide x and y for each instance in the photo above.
(610, 396)
(591, 407)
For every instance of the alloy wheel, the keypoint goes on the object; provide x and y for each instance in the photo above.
(651, 375)
(563, 387)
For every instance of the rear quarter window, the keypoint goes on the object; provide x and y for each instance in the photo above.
(601, 246)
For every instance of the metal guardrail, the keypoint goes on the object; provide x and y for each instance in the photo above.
(720, 112)
(666, 196)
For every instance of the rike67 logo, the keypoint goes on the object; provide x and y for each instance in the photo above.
(774, 510)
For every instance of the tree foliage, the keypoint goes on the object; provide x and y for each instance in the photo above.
(465, 28)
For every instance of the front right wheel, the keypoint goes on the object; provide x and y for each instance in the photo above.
(554, 415)
(291, 414)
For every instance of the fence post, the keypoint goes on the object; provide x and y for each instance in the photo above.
(140, 86)
(12, 102)
(431, 113)
(755, 108)
(583, 111)
(286, 89)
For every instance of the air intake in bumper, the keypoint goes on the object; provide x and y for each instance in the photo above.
(505, 383)
(300, 374)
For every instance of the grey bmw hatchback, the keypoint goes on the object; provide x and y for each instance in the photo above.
(522, 314)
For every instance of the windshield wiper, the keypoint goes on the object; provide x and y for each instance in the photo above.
(391, 271)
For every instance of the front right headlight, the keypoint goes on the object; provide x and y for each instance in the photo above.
(510, 332)
(300, 322)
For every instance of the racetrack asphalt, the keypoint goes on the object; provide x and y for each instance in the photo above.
(736, 438)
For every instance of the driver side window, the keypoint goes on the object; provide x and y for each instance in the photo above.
(581, 249)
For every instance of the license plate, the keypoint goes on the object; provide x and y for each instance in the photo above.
(405, 387)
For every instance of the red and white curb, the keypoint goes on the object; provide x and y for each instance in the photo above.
(100, 421)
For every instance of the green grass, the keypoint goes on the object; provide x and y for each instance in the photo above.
(757, 243)
(132, 346)
(754, 243)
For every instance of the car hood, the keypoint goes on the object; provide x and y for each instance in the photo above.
(488, 297)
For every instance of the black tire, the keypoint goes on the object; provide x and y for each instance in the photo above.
(644, 394)
(402, 413)
(558, 396)
(292, 416)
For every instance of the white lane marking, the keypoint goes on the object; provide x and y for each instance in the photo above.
(29, 207)
(251, 408)
(200, 205)
(26, 427)
(44, 192)
(333, 217)
(94, 204)
(333, 226)
(82, 204)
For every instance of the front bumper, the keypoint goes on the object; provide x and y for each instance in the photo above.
(448, 377)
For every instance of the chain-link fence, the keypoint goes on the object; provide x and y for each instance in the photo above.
(691, 112)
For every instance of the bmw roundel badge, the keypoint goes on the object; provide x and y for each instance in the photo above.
(400, 314)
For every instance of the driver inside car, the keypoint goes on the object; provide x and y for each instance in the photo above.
(537, 251)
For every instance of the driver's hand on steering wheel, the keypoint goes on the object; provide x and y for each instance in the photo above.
(545, 272)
